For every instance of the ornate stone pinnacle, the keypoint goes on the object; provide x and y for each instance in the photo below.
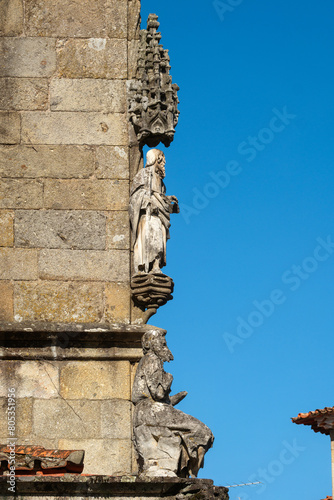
(152, 96)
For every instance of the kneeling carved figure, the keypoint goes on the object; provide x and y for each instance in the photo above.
(168, 441)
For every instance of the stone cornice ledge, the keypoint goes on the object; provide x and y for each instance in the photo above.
(63, 341)
(108, 487)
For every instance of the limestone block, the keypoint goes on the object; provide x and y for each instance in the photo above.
(76, 18)
(6, 301)
(89, 194)
(46, 161)
(92, 58)
(68, 94)
(117, 303)
(118, 230)
(27, 57)
(9, 127)
(116, 419)
(21, 194)
(58, 301)
(11, 17)
(134, 367)
(23, 417)
(112, 162)
(102, 456)
(133, 48)
(85, 265)
(133, 19)
(67, 419)
(64, 127)
(18, 264)
(60, 229)
(31, 379)
(95, 380)
(6, 228)
(24, 93)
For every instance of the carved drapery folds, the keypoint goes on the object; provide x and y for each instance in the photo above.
(152, 96)
(150, 209)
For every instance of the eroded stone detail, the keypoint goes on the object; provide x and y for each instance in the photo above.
(169, 442)
(150, 210)
(151, 291)
(152, 96)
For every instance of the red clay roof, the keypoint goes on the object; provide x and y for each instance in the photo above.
(320, 420)
(34, 460)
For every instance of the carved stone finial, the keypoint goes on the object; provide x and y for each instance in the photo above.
(152, 96)
(168, 441)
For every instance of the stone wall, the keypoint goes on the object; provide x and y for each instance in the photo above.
(64, 159)
(64, 226)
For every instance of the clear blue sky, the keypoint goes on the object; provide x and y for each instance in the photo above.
(251, 325)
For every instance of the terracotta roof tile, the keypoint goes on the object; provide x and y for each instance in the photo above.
(320, 420)
(35, 460)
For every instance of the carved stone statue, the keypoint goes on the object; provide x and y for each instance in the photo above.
(168, 442)
(150, 211)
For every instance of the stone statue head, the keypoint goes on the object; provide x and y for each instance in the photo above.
(155, 341)
(156, 158)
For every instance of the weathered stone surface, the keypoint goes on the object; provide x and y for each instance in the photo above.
(76, 18)
(150, 220)
(154, 119)
(58, 301)
(85, 265)
(9, 127)
(27, 57)
(102, 456)
(92, 58)
(21, 194)
(59, 419)
(89, 194)
(18, 263)
(118, 230)
(23, 417)
(116, 487)
(116, 421)
(31, 379)
(112, 162)
(46, 161)
(6, 228)
(133, 19)
(64, 127)
(11, 17)
(24, 93)
(60, 229)
(68, 94)
(95, 380)
(133, 49)
(6, 301)
(117, 302)
(169, 442)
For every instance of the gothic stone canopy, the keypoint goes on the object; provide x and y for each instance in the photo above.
(152, 96)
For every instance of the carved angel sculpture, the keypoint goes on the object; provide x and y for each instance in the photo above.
(150, 211)
(168, 442)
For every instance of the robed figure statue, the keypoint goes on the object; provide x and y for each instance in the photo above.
(168, 441)
(150, 210)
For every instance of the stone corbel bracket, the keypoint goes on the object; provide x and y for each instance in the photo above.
(153, 98)
(150, 291)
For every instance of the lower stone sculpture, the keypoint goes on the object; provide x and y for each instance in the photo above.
(169, 442)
